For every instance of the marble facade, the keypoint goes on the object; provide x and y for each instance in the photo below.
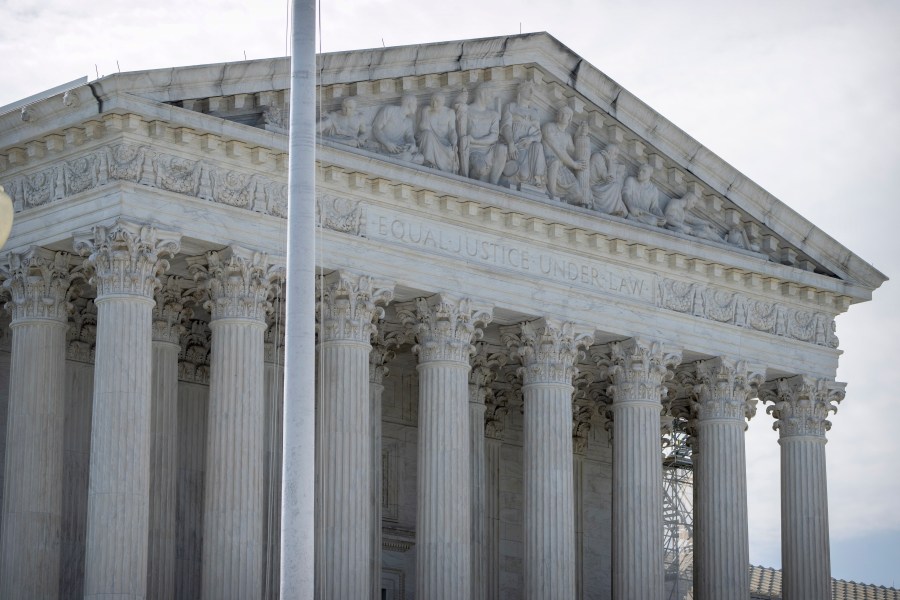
(523, 270)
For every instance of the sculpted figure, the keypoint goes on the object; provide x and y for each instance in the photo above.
(520, 130)
(437, 135)
(394, 133)
(678, 217)
(642, 198)
(562, 166)
(483, 156)
(346, 126)
(607, 181)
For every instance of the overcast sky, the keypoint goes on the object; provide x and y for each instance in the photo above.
(802, 97)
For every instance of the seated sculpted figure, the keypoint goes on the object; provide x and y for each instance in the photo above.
(641, 197)
(347, 126)
(559, 151)
(394, 133)
(607, 181)
(520, 130)
(678, 217)
(437, 135)
(482, 151)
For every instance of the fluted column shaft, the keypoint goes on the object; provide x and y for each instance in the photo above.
(238, 282)
(163, 469)
(167, 316)
(232, 521)
(119, 487)
(125, 259)
(346, 312)
(801, 407)
(37, 282)
(443, 523)
(548, 350)
(578, 508)
(637, 535)
(477, 455)
(549, 501)
(721, 533)
(346, 470)
(492, 517)
(376, 389)
(444, 328)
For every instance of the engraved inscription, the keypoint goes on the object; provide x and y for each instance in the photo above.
(502, 253)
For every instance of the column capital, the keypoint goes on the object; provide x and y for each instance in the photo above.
(801, 404)
(170, 311)
(193, 362)
(485, 366)
(638, 369)
(239, 282)
(725, 387)
(347, 306)
(548, 349)
(37, 281)
(444, 326)
(383, 344)
(126, 257)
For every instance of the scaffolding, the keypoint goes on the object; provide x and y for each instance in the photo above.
(678, 512)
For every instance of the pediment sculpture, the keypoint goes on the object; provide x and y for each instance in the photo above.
(516, 145)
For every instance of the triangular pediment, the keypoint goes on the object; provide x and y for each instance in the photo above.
(525, 114)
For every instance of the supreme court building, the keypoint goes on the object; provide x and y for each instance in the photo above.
(527, 279)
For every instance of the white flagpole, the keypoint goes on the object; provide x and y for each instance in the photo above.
(298, 472)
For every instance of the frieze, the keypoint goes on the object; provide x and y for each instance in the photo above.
(724, 306)
(142, 165)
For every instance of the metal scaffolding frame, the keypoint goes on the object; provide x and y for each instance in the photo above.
(678, 512)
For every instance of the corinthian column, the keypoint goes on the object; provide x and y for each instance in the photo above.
(126, 260)
(37, 282)
(801, 405)
(722, 538)
(638, 371)
(168, 315)
(347, 309)
(548, 349)
(444, 327)
(239, 282)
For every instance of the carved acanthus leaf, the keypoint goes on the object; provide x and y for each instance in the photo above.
(726, 389)
(548, 349)
(126, 257)
(801, 404)
(444, 326)
(347, 306)
(37, 282)
(238, 281)
(639, 369)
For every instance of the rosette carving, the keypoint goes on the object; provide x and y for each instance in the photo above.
(443, 326)
(347, 306)
(801, 404)
(126, 258)
(725, 389)
(37, 282)
(639, 368)
(238, 281)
